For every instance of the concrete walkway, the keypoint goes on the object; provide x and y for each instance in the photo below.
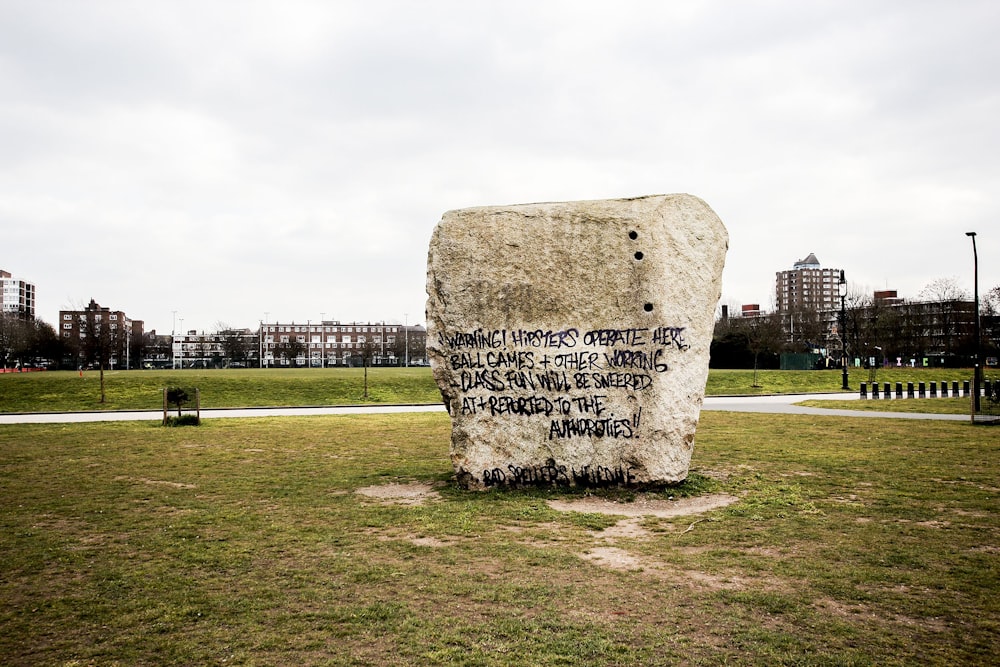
(783, 404)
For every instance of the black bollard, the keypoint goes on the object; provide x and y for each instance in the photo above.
(944, 390)
(874, 389)
(888, 390)
(864, 390)
(954, 388)
(933, 389)
(909, 390)
(987, 388)
(899, 390)
(923, 391)
(965, 387)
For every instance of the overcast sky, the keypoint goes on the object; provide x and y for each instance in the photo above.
(196, 163)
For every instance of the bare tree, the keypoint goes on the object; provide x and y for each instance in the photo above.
(949, 295)
(763, 334)
(398, 346)
(367, 350)
(236, 344)
(290, 350)
(806, 330)
(858, 326)
(944, 289)
(13, 339)
(98, 344)
(991, 302)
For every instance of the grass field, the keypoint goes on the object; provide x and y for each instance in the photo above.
(938, 406)
(248, 542)
(142, 390)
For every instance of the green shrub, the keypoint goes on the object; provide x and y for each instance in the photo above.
(183, 420)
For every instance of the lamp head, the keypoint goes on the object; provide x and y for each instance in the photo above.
(970, 233)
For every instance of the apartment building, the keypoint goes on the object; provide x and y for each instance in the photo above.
(122, 334)
(231, 348)
(333, 343)
(313, 344)
(808, 286)
(17, 297)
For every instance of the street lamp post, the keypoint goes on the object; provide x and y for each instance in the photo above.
(173, 337)
(842, 288)
(978, 370)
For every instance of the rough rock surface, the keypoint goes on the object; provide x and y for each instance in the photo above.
(570, 341)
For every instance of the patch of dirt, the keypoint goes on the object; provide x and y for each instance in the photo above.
(848, 499)
(717, 582)
(642, 506)
(614, 558)
(429, 542)
(418, 540)
(400, 494)
(878, 616)
(157, 482)
(625, 529)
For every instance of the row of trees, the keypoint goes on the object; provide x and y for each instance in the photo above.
(939, 324)
(28, 343)
(24, 342)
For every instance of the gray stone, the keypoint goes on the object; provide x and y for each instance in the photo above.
(570, 341)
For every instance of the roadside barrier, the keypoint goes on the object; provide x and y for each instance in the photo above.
(932, 389)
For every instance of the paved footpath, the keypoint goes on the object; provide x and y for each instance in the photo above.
(783, 404)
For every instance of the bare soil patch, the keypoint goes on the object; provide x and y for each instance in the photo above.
(418, 540)
(644, 506)
(401, 494)
(630, 528)
(614, 558)
(156, 482)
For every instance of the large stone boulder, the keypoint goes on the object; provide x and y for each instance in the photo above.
(570, 341)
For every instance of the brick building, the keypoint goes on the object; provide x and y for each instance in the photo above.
(807, 286)
(331, 343)
(231, 348)
(123, 336)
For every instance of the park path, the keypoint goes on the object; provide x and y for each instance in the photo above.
(783, 404)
